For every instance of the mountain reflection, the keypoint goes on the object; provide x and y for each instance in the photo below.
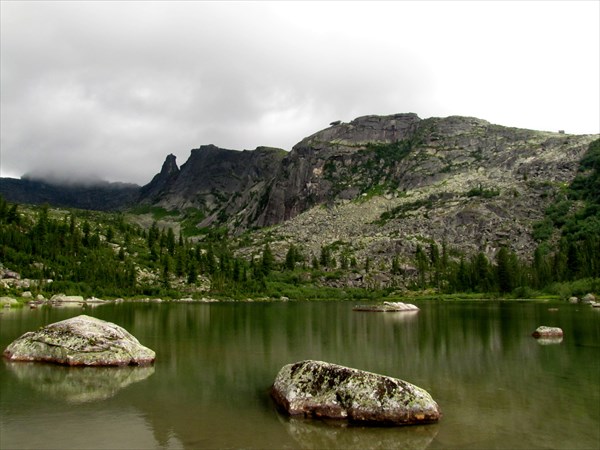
(77, 384)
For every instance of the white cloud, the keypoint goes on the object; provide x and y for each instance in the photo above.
(110, 88)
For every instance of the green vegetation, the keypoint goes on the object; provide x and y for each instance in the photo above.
(157, 212)
(371, 170)
(483, 192)
(566, 261)
(99, 254)
(189, 224)
(402, 210)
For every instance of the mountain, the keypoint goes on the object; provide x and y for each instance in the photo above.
(227, 185)
(390, 184)
(377, 186)
(384, 183)
(99, 195)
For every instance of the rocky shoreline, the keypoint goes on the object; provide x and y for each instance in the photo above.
(77, 301)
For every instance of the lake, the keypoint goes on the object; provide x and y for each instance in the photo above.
(496, 385)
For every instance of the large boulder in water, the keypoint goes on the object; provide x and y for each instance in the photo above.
(324, 390)
(80, 341)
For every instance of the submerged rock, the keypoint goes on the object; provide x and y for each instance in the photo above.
(329, 391)
(80, 341)
(547, 332)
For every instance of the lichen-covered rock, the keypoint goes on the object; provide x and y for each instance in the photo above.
(543, 331)
(80, 341)
(324, 390)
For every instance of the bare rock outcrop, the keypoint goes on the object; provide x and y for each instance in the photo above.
(81, 341)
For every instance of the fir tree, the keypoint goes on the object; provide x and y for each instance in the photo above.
(268, 261)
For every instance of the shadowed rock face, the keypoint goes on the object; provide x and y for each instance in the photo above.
(329, 391)
(80, 341)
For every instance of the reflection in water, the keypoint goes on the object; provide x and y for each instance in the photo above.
(400, 316)
(77, 384)
(497, 388)
(311, 434)
(549, 340)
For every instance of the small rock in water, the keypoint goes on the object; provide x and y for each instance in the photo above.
(80, 341)
(544, 331)
(588, 299)
(387, 307)
(329, 391)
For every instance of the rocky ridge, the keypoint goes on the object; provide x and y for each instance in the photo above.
(378, 186)
(460, 181)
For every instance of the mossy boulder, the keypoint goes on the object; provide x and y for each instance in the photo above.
(80, 341)
(329, 391)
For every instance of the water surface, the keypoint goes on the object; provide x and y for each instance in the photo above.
(496, 385)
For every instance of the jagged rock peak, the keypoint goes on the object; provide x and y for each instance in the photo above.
(169, 167)
(167, 175)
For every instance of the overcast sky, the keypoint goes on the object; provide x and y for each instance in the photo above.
(108, 89)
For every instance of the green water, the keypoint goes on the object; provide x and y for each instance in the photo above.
(496, 385)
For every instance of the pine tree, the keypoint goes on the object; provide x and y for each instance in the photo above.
(422, 265)
(481, 273)
(192, 272)
(505, 271)
(325, 258)
(291, 257)
(13, 215)
(170, 241)
(268, 260)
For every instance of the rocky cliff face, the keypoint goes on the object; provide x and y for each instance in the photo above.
(321, 167)
(379, 186)
(227, 185)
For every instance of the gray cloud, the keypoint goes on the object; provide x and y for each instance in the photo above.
(108, 89)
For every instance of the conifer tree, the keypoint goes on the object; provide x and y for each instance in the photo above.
(505, 271)
(267, 261)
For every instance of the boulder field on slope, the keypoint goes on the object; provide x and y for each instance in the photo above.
(80, 341)
(330, 391)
